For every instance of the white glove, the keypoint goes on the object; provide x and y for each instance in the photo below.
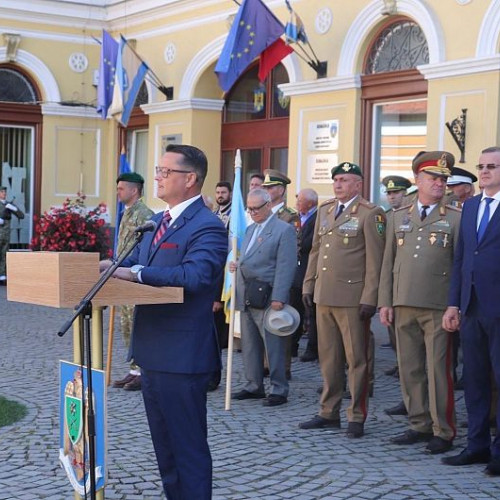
(11, 207)
(1, 221)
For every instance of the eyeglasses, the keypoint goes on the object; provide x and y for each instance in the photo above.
(254, 210)
(488, 166)
(165, 172)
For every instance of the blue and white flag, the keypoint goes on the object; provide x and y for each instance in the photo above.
(294, 29)
(130, 73)
(107, 69)
(124, 168)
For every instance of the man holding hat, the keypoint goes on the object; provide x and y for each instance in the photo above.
(7, 209)
(129, 188)
(343, 274)
(461, 183)
(414, 283)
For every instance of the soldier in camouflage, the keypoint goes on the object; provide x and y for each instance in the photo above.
(7, 209)
(129, 188)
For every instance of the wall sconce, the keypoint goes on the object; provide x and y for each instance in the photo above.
(457, 131)
(12, 41)
(390, 8)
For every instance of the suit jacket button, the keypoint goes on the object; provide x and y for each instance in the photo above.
(415, 255)
(476, 253)
(324, 269)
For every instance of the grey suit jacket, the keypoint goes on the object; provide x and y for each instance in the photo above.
(272, 258)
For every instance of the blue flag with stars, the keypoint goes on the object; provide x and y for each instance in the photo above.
(107, 68)
(254, 28)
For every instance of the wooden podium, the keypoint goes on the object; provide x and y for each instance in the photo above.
(62, 279)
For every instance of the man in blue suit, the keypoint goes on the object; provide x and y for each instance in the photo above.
(176, 344)
(474, 308)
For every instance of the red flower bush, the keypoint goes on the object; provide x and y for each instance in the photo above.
(73, 228)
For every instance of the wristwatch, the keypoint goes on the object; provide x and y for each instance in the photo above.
(135, 270)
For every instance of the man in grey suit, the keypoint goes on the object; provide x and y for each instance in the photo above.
(268, 254)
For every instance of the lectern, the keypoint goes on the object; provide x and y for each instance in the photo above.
(62, 279)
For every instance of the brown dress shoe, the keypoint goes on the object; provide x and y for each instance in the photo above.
(119, 384)
(133, 385)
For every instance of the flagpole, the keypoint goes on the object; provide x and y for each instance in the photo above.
(230, 343)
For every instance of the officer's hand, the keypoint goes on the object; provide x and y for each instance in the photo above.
(233, 266)
(451, 319)
(386, 315)
(307, 300)
(217, 306)
(366, 311)
(276, 305)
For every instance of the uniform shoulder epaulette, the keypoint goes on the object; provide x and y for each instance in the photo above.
(405, 207)
(328, 202)
(290, 210)
(454, 208)
(366, 203)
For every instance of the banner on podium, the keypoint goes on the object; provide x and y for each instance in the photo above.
(73, 436)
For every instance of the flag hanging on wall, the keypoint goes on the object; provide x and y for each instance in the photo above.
(107, 68)
(254, 29)
(272, 56)
(130, 73)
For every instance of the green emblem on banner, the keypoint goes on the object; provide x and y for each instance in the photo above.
(73, 412)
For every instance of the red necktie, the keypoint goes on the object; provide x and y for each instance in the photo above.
(163, 227)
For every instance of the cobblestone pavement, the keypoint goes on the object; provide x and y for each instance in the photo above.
(258, 452)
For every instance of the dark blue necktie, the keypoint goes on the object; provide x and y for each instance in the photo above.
(484, 220)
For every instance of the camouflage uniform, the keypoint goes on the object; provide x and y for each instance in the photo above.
(133, 216)
(6, 216)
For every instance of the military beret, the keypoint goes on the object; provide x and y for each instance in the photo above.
(274, 178)
(346, 168)
(3, 188)
(433, 162)
(130, 177)
(396, 183)
(460, 176)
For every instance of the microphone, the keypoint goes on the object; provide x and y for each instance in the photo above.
(150, 225)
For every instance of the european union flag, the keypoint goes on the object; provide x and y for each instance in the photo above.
(107, 68)
(254, 28)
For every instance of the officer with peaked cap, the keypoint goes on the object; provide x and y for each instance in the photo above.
(395, 187)
(343, 274)
(413, 294)
(461, 184)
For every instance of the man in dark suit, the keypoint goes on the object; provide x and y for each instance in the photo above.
(307, 206)
(268, 254)
(474, 308)
(176, 344)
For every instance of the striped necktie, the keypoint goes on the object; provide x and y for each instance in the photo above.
(163, 227)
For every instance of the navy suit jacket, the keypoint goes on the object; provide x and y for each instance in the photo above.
(477, 264)
(180, 338)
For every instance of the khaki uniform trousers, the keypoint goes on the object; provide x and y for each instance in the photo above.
(425, 361)
(126, 322)
(343, 337)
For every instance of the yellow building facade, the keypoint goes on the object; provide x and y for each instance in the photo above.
(396, 73)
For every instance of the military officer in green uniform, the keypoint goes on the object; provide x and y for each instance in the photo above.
(129, 189)
(275, 183)
(413, 295)
(7, 210)
(343, 274)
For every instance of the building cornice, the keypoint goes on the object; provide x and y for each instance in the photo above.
(53, 109)
(333, 84)
(183, 104)
(460, 67)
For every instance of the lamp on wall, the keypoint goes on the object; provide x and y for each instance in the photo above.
(457, 131)
(12, 41)
(390, 8)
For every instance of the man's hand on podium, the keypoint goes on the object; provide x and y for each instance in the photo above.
(124, 273)
(104, 265)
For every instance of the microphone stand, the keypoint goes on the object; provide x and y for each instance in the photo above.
(84, 313)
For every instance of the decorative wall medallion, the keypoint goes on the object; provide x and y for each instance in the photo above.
(169, 53)
(323, 20)
(78, 62)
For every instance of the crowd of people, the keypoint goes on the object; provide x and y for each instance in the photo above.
(427, 265)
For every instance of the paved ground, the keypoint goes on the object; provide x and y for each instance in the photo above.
(258, 452)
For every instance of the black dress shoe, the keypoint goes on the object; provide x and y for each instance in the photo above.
(412, 437)
(119, 384)
(243, 394)
(355, 430)
(309, 356)
(318, 422)
(467, 457)
(274, 400)
(133, 385)
(438, 445)
(493, 467)
(400, 409)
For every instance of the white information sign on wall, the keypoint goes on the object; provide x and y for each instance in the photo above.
(323, 136)
(319, 168)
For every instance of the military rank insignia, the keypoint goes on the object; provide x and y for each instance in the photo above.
(380, 224)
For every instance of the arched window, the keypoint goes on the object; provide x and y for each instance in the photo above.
(15, 87)
(256, 120)
(394, 98)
